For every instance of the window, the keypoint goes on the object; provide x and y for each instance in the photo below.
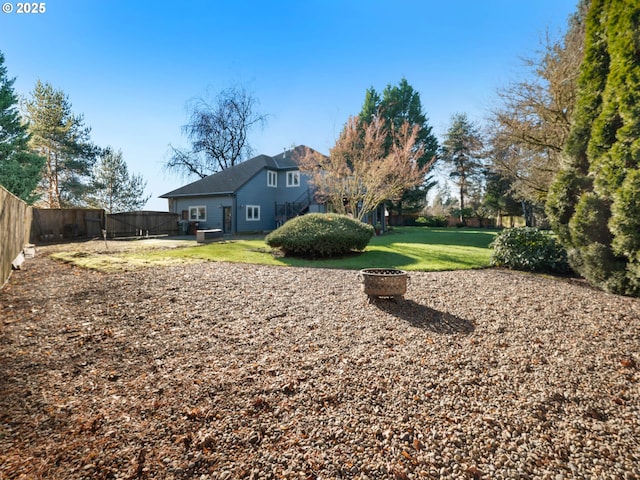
(197, 214)
(272, 178)
(253, 213)
(293, 179)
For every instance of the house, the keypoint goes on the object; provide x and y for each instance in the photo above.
(256, 195)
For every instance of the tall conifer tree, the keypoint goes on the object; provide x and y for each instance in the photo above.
(63, 140)
(20, 169)
(113, 187)
(594, 203)
(462, 151)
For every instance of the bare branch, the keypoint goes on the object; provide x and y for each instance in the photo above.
(218, 132)
(184, 163)
(530, 129)
(359, 175)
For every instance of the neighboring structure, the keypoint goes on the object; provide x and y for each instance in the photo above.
(257, 195)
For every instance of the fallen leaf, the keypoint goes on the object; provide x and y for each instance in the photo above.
(628, 362)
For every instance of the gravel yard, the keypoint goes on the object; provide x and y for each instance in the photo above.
(223, 371)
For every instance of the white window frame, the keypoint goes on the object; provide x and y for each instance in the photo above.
(252, 213)
(293, 178)
(198, 209)
(272, 178)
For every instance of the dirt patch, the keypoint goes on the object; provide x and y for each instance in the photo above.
(115, 246)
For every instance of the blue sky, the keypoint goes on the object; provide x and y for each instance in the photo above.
(130, 67)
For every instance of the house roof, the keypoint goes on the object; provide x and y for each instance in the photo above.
(228, 181)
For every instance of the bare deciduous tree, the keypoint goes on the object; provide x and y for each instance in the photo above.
(529, 130)
(361, 172)
(218, 132)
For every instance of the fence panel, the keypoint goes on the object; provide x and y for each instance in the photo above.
(55, 224)
(15, 225)
(141, 223)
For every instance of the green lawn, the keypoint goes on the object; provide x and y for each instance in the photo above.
(407, 248)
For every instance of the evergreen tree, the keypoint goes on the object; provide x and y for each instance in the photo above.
(63, 140)
(20, 169)
(114, 188)
(498, 197)
(399, 105)
(595, 199)
(371, 106)
(462, 151)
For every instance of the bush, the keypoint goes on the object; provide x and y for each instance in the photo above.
(529, 249)
(625, 218)
(432, 221)
(320, 235)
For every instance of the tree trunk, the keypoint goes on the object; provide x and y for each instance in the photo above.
(461, 199)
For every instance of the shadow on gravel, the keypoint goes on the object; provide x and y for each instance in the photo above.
(422, 316)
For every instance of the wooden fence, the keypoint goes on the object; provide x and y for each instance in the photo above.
(142, 223)
(21, 224)
(56, 224)
(15, 224)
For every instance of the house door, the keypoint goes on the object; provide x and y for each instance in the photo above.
(226, 219)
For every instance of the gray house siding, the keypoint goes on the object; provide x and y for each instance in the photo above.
(256, 193)
(246, 194)
(213, 207)
(291, 193)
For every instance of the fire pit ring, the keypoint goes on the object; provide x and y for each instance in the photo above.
(383, 283)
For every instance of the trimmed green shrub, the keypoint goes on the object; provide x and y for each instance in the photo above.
(432, 221)
(320, 235)
(527, 248)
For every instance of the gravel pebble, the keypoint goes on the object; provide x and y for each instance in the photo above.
(217, 370)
